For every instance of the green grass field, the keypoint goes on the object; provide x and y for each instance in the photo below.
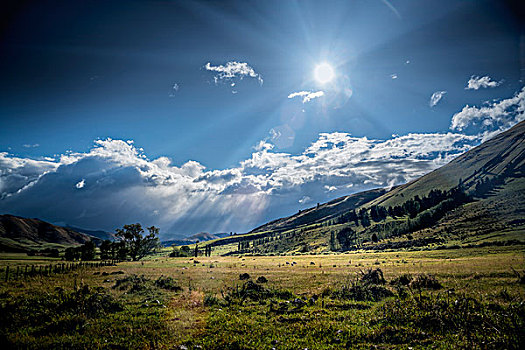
(308, 301)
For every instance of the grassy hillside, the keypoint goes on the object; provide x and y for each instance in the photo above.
(21, 234)
(322, 212)
(493, 157)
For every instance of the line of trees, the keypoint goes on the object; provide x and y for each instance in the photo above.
(422, 212)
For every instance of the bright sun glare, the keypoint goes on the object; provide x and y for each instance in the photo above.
(324, 73)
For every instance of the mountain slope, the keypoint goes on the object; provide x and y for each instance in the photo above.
(503, 152)
(103, 235)
(322, 212)
(22, 234)
(198, 237)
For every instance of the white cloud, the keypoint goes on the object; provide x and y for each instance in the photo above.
(306, 95)
(393, 76)
(125, 186)
(493, 118)
(305, 200)
(475, 82)
(330, 188)
(436, 97)
(80, 184)
(174, 89)
(18, 173)
(31, 145)
(232, 70)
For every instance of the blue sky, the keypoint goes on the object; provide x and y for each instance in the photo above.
(204, 93)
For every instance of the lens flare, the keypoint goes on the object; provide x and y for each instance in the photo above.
(324, 73)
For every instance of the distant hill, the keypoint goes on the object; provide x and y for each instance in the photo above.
(22, 234)
(103, 235)
(322, 212)
(200, 237)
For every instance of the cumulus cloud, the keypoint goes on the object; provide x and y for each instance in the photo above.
(17, 174)
(436, 97)
(475, 82)
(232, 70)
(306, 95)
(492, 118)
(125, 186)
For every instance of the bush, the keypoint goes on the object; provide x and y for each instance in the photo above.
(261, 279)
(244, 276)
(140, 284)
(403, 280)
(373, 276)
(210, 300)
(167, 283)
(255, 292)
(369, 287)
(362, 292)
(425, 281)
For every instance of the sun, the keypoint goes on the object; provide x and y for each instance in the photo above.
(324, 73)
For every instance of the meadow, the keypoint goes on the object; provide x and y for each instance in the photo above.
(458, 298)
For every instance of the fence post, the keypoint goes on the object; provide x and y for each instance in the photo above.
(7, 273)
(17, 269)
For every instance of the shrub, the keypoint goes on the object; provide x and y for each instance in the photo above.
(403, 280)
(244, 276)
(261, 279)
(369, 287)
(373, 276)
(210, 300)
(425, 281)
(255, 292)
(362, 292)
(167, 283)
(133, 284)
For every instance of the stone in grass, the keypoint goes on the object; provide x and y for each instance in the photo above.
(244, 276)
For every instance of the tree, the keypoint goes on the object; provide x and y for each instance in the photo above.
(346, 238)
(106, 250)
(136, 244)
(87, 251)
(72, 254)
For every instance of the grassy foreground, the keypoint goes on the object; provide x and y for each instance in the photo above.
(462, 298)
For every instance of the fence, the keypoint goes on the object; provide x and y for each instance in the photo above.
(10, 273)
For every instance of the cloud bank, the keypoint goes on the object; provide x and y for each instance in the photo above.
(115, 183)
